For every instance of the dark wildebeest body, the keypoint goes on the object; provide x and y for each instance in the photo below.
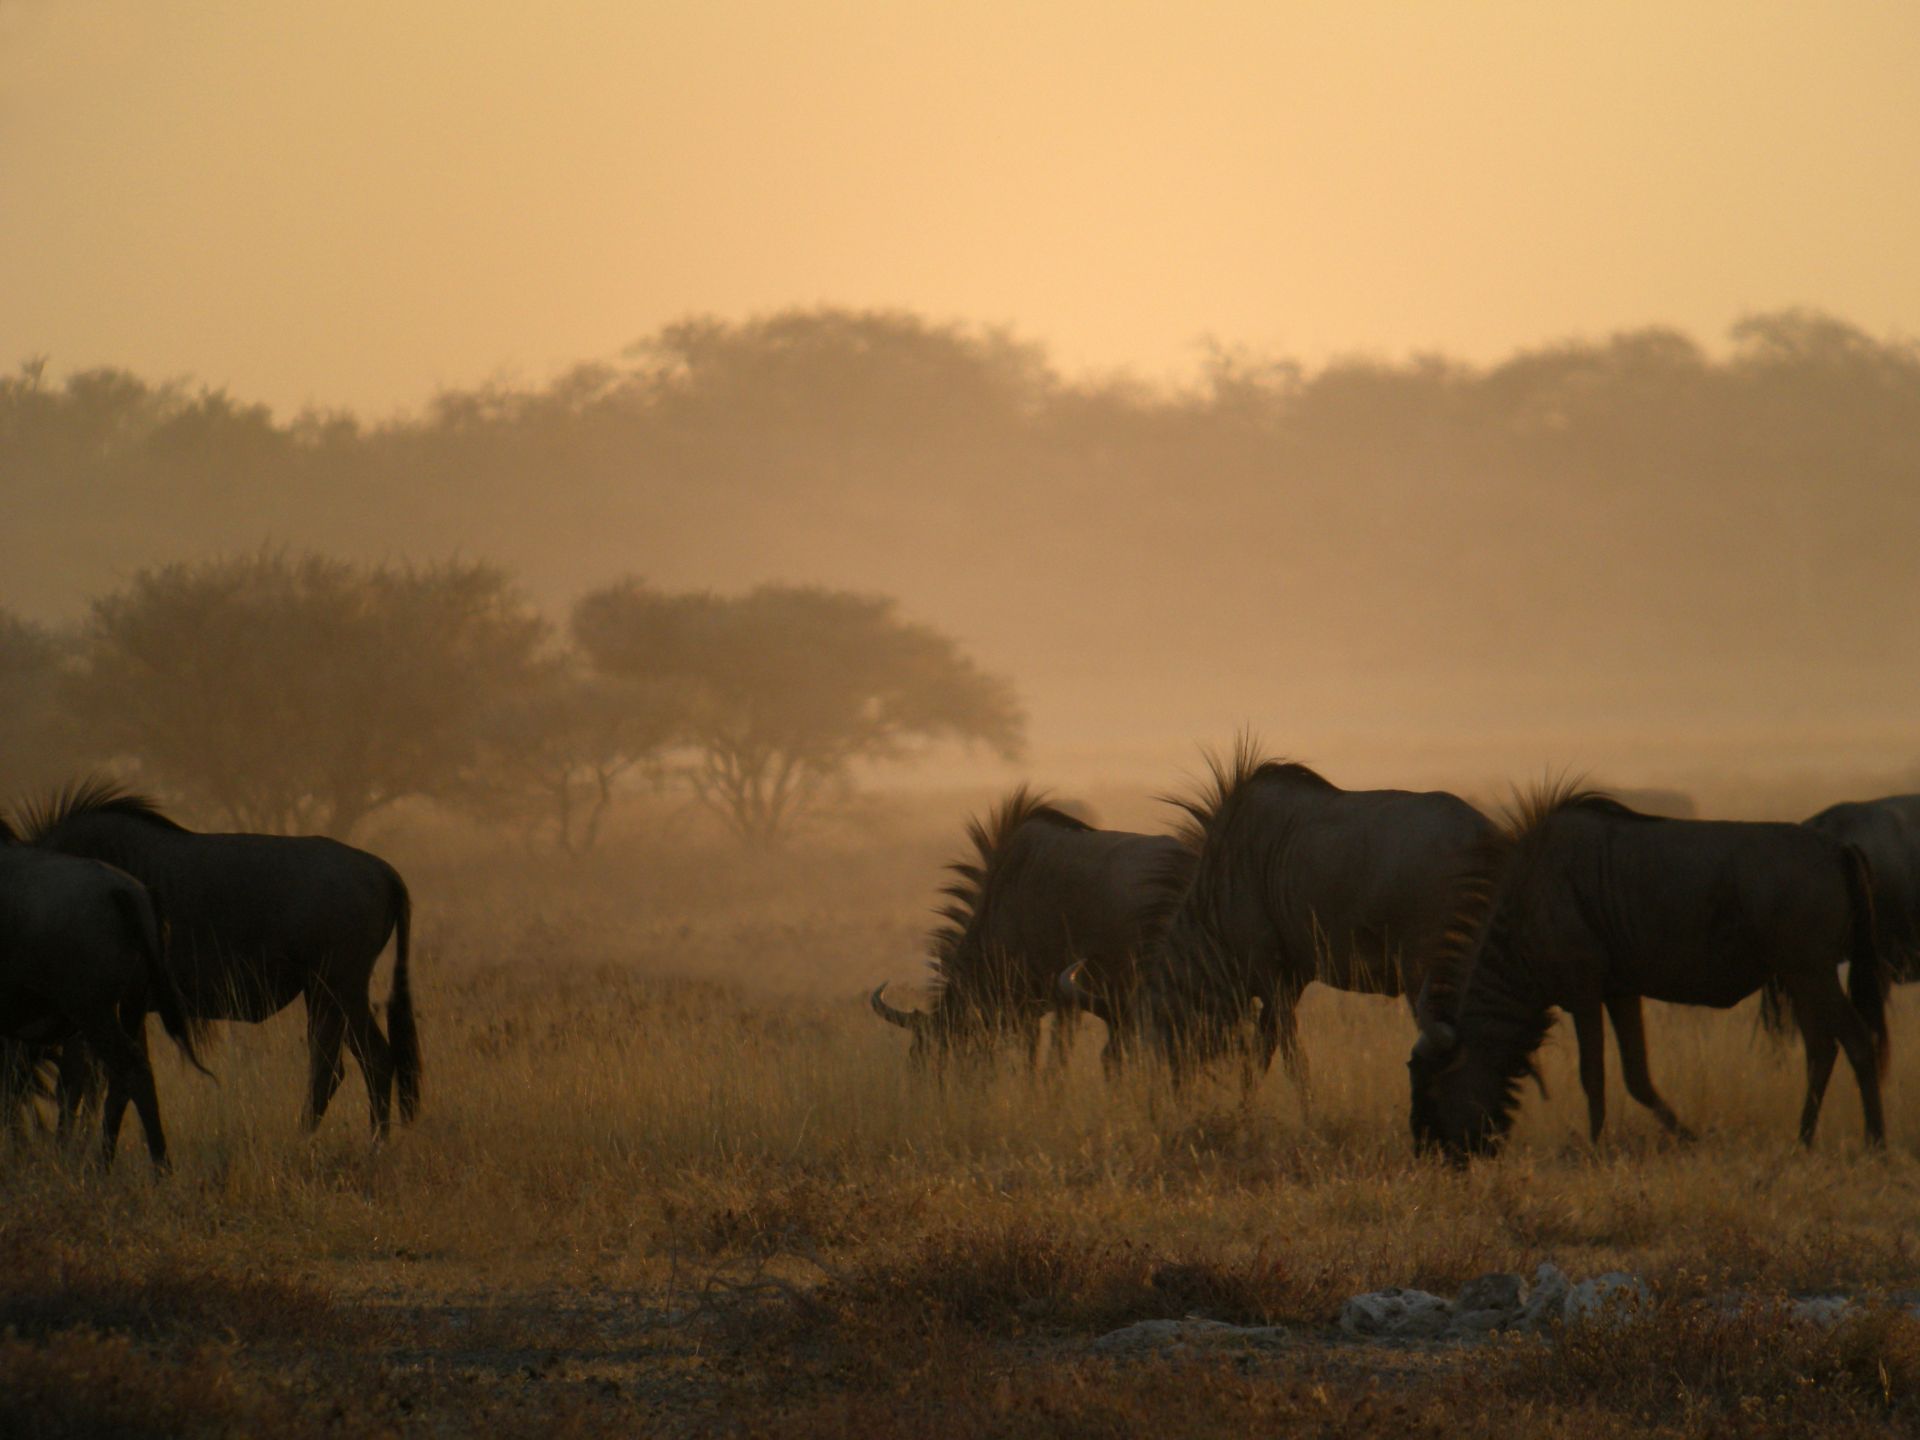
(258, 920)
(1289, 880)
(1045, 891)
(1585, 902)
(1887, 832)
(81, 956)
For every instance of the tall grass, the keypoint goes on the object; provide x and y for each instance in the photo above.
(581, 1115)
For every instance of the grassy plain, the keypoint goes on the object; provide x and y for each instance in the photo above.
(673, 1177)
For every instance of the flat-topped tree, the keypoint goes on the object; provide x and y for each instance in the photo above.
(793, 685)
(300, 693)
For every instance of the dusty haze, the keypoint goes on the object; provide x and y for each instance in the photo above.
(1597, 525)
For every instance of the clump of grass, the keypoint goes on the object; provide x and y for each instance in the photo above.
(52, 1281)
(86, 1385)
(168, 1300)
(1013, 1281)
(771, 1210)
(1755, 1369)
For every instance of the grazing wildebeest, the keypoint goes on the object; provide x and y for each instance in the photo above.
(1583, 901)
(1289, 879)
(1887, 832)
(82, 955)
(1042, 891)
(259, 919)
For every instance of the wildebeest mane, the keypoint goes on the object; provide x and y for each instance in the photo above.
(992, 839)
(1505, 845)
(92, 796)
(7, 833)
(1209, 808)
(1532, 808)
(1212, 802)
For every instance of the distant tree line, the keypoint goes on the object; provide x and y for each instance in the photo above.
(1633, 505)
(298, 692)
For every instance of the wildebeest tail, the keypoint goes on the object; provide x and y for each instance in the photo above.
(1776, 1015)
(142, 913)
(1866, 970)
(402, 1034)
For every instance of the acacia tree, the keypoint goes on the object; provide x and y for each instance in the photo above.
(794, 684)
(562, 744)
(301, 692)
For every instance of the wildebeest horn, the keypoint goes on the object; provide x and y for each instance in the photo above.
(1070, 988)
(905, 1019)
(1437, 1039)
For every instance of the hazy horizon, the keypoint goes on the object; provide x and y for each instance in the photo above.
(355, 207)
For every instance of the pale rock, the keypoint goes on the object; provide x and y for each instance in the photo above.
(1546, 1300)
(1611, 1298)
(1396, 1315)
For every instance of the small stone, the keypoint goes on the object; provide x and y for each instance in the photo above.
(1612, 1297)
(1547, 1300)
(1396, 1314)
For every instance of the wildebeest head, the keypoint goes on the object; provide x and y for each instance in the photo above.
(985, 991)
(1481, 1018)
(963, 1019)
(1448, 1112)
(919, 1023)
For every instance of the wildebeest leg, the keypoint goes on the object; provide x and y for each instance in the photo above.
(1266, 1033)
(146, 1100)
(1630, 1035)
(1060, 1054)
(76, 1085)
(326, 1025)
(20, 1086)
(370, 1049)
(121, 1045)
(1280, 1030)
(1821, 1048)
(1590, 1033)
(16, 1086)
(1828, 1021)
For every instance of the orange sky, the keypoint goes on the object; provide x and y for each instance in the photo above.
(355, 203)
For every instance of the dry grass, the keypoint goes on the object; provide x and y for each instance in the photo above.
(639, 1199)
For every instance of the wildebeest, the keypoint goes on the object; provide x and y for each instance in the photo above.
(1290, 879)
(1585, 901)
(1887, 832)
(82, 955)
(258, 920)
(1041, 892)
